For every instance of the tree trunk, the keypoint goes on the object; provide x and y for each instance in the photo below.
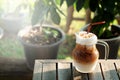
(69, 18)
(88, 16)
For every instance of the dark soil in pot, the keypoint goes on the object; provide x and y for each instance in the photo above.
(42, 36)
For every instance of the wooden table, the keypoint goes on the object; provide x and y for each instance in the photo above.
(64, 70)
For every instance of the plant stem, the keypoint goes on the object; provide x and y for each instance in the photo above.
(41, 27)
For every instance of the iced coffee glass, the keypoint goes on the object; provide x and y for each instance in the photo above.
(85, 54)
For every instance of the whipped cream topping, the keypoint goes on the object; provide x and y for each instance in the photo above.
(85, 38)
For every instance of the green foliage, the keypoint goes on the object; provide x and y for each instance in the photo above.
(61, 2)
(79, 4)
(40, 11)
(11, 48)
(86, 4)
(70, 2)
(93, 4)
(45, 8)
(50, 33)
(67, 47)
(105, 11)
(54, 16)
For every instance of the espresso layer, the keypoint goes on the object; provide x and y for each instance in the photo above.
(85, 54)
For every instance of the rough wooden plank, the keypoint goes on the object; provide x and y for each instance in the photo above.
(38, 70)
(84, 76)
(55, 60)
(79, 76)
(96, 74)
(49, 71)
(108, 68)
(109, 71)
(117, 66)
(64, 71)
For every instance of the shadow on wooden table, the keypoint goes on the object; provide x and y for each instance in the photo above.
(14, 69)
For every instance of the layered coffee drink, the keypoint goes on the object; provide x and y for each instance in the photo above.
(85, 54)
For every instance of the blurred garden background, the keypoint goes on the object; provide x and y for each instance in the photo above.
(9, 44)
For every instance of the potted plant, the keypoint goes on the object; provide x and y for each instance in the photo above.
(107, 11)
(104, 10)
(40, 41)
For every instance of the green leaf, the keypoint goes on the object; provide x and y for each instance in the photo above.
(101, 31)
(54, 16)
(60, 11)
(70, 2)
(79, 4)
(117, 10)
(57, 8)
(61, 2)
(108, 5)
(86, 4)
(57, 2)
(40, 11)
(93, 4)
(108, 33)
